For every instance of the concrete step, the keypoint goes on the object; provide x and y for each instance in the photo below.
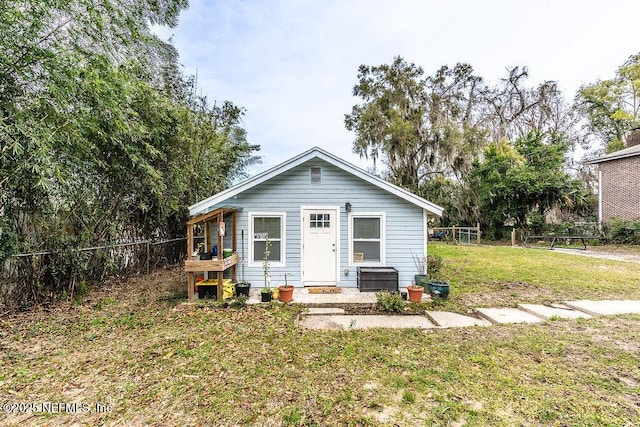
(341, 322)
(507, 315)
(320, 311)
(606, 307)
(554, 310)
(446, 319)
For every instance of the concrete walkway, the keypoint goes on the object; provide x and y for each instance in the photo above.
(332, 318)
(326, 312)
(602, 255)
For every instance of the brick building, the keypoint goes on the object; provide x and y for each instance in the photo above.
(619, 182)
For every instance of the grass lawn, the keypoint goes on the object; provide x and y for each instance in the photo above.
(483, 276)
(153, 361)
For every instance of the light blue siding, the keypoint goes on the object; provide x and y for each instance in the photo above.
(291, 190)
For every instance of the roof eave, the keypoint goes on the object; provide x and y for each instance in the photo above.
(615, 156)
(200, 207)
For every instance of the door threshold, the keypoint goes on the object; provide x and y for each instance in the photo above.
(320, 285)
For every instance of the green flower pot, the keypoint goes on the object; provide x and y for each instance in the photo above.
(438, 289)
(421, 280)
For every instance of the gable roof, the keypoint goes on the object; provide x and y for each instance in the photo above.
(205, 205)
(620, 154)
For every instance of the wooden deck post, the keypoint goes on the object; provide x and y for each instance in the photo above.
(234, 244)
(190, 286)
(214, 269)
(220, 240)
(189, 240)
(190, 280)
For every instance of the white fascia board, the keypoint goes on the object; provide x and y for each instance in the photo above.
(204, 205)
(394, 189)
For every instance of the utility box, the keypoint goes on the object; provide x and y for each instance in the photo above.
(374, 279)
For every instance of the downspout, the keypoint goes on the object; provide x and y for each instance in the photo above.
(599, 199)
(425, 218)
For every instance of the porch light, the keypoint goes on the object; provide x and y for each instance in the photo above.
(347, 207)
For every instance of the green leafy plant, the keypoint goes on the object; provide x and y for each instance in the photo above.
(391, 302)
(81, 290)
(434, 265)
(408, 397)
(623, 232)
(239, 302)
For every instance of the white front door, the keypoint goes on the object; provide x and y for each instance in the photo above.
(319, 246)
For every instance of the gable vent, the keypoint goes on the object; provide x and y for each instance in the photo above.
(316, 175)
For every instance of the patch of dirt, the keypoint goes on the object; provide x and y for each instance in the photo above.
(616, 249)
(501, 294)
(374, 309)
(161, 285)
(628, 381)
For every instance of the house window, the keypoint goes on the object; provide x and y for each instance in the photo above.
(267, 226)
(367, 238)
(320, 220)
(316, 175)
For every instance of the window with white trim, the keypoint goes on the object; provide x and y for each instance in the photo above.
(263, 227)
(316, 175)
(367, 238)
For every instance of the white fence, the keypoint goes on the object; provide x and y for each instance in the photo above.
(458, 235)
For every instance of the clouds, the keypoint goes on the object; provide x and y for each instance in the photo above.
(293, 64)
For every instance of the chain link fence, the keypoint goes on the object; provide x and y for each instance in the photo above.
(40, 277)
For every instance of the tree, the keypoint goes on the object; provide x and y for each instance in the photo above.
(511, 110)
(421, 127)
(515, 182)
(101, 137)
(612, 107)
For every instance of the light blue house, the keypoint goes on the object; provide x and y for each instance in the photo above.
(324, 218)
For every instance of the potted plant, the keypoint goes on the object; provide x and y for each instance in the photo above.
(266, 293)
(286, 291)
(199, 252)
(242, 288)
(415, 292)
(437, 288)
(420, 279)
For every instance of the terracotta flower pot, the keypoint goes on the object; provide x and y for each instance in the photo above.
(286, 293)
(415, 293)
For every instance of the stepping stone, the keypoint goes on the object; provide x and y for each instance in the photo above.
(318, 311)
(365, 322)
(557, 310)
(606, 307)
(507, 315)
(446, 319)
(320, 322)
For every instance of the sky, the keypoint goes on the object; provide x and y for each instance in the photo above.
(292, 64)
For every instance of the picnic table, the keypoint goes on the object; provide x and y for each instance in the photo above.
(553, 239)
(440, 235)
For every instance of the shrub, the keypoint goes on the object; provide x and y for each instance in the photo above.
(434, 265)
(391, 302)
(623, 231)
(238, 302)
(536, 222)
